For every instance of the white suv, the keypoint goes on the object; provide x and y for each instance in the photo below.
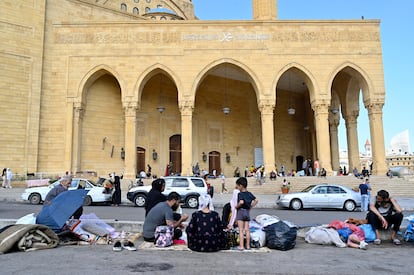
(189, 188)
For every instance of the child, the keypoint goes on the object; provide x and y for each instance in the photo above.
(245, 201)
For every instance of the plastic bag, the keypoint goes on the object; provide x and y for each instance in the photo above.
(344, 233)
(28, 219)
(368, 232)
(280, 236)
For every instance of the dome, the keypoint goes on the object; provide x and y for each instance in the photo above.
(161, 10)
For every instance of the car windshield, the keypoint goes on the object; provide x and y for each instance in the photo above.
(307, 189)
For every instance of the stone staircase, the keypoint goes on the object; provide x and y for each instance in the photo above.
(397, 187)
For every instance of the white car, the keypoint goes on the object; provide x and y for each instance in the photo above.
(321, 196)
(189, 188)
(96, 194)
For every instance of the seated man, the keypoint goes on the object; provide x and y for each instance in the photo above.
(65, 183)
(383, 213)
(163, 214)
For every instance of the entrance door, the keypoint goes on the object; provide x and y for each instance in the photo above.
(214, 163)
(140, 159)
(175, 153)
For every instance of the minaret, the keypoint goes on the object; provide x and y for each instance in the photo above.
(264, 9)
(368, 151)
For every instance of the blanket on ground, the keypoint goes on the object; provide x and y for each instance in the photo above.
(27, 237)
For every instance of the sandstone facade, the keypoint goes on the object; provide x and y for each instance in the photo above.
(83, 80)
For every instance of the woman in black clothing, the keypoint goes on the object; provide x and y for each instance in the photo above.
(155, 194)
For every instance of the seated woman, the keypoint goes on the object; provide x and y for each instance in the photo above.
(205, 230)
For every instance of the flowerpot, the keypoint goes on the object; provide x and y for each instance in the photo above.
(285, 190)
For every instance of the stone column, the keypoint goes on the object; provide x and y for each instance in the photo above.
(268, 138)
(352, 140)
(130, 162)
(333, 130)
(322, 135)
(78, 112)
(377, 138)
(186, 109)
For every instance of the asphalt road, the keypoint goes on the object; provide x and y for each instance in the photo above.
(15, 210)
(130, 213)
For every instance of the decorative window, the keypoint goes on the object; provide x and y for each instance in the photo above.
(148, 1)
(147, 10)
(163, 18)
(135, 10)
(136, 1)
(153, 18)
(123, 7)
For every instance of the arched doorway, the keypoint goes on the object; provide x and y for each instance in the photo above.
(175, 153)
(140, 159)
(214, 162)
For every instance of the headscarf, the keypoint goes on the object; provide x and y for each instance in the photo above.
(205, 201)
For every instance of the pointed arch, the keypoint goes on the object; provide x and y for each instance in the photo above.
(362, 77)
(254, 81)
(92, 75)
(147, 74)
(309, 79)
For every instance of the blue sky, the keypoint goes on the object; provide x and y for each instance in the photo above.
(397, 45)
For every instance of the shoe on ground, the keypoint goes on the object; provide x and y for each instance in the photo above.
(129, 246)
(363, 245)
(396, 241)
(117, 246)
(377, 241)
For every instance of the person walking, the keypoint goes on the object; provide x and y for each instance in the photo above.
(116, 197)
(363, 189)
(9, 176)
(3, 177)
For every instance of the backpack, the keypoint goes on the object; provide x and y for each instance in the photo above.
(163, 236)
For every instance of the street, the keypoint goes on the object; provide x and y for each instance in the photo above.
(15, 210)
(303, 259)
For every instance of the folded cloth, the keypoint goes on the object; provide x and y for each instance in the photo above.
(27, 237)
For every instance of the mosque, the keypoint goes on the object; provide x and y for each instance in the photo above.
(121, 85)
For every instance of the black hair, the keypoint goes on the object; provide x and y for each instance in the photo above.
(158, 184)
(174, 196)
(383, 194)
(242, 181)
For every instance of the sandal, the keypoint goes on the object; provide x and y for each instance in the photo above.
(396, 241)
(377, 241)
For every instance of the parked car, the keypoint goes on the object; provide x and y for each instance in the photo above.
(96, 194)
(321, 196)
(189, 188)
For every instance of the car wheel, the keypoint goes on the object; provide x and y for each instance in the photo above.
(140, 200)
(192, 201)
(35, 198)
(87, 201)
(296, 204)
(349, 206)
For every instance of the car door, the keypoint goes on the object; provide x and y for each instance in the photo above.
(337, 196)
(319, 197)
